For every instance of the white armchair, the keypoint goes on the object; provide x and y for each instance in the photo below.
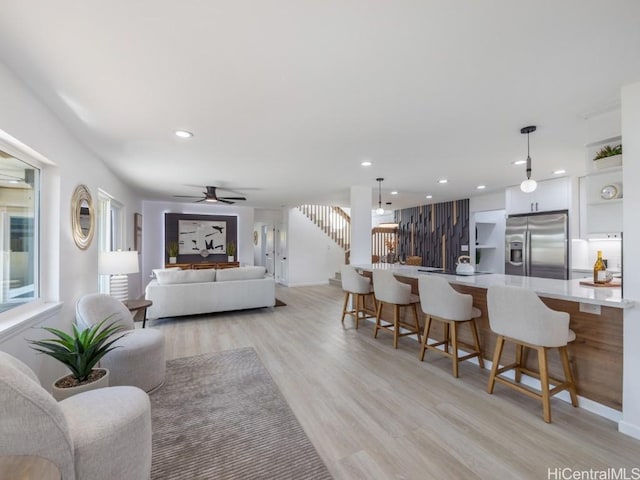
(139, 359)
(101, 434)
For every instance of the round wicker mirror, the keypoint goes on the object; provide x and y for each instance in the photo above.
(83, 219)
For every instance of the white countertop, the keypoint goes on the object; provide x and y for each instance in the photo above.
(545, 287)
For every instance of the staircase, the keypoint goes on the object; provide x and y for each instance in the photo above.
(333, 221)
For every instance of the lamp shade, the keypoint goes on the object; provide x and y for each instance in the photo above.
(118, 263)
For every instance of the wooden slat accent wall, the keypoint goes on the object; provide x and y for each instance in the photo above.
(430, 230)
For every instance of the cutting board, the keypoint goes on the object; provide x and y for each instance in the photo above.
(616, 282)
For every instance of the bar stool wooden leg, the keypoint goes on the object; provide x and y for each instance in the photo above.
(447, 337)
(568, 375)
(358, 308)
(396, 324)
(378, 313)
(454, 346)
(544, 383)
(496, 362)
(425, 336)
(417, 319)
(520, 362)
(476, 339)
(344, 307)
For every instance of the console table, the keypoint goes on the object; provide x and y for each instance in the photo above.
(201, 265)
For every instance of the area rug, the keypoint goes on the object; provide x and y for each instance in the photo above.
(221, 416)
(280, 303)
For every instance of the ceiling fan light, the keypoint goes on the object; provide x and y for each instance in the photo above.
(380, 211)
(528, 185)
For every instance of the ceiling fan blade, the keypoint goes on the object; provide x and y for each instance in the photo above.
(232, 198)
(187, 196)
(201, 200)
(225, 201)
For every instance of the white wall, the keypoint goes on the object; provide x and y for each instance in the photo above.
(630, 423)
(68, 271)
(153, 230)
(313, 256)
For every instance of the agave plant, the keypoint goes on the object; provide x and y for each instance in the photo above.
(83, 349)
(608, 151)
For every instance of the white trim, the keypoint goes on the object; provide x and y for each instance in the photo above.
(27, 318)
(629, 429)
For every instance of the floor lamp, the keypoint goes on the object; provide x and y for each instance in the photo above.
(119, 265)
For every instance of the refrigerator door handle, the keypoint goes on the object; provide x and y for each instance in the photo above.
(527, 252)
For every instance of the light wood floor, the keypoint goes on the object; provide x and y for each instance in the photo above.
(375, 412)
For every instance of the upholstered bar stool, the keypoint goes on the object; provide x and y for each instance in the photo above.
(359, 288)
(397, 294)
(518, 315)
(442, 303)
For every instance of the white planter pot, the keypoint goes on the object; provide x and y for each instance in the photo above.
(230, 258)
(173, 259)
(62, 393)
(608, 162)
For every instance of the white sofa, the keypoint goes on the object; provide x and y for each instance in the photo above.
(177, 292)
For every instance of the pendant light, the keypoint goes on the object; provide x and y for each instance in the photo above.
(528, 185)
(379, 210)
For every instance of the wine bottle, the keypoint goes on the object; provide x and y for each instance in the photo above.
(599, 270)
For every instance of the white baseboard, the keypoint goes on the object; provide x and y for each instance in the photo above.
(308, 284)
(629, 429)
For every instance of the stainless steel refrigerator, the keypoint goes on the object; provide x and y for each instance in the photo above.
(537, 245)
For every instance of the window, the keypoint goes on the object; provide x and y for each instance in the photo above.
(19, 226)
(110, 230)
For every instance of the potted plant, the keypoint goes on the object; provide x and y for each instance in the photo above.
(79, 352)
(608, 156)
(172, 250)
(231, 251)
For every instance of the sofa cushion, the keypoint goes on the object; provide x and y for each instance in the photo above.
(240, 273)
(154, 272)
(185, 276)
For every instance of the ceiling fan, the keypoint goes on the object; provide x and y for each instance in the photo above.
(211, 196)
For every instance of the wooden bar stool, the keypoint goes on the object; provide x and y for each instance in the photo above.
(518, 315)
(397, 294)
(442, 303)
(359, 288)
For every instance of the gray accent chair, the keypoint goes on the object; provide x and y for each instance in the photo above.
(517, 315)
(389, 290)
(442, 303)
(102, 434)
(140, 359)
(359, 288)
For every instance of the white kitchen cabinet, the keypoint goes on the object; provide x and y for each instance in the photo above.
(549, 196)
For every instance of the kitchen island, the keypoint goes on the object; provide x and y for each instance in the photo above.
(596, 317)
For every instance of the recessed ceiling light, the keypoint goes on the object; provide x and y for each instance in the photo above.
(366, 163)
(14, 181)
(429, 196)
(519, 162)
(443, 180)
(395, 192)
(559, 172)
(481, 187)
(183, 134)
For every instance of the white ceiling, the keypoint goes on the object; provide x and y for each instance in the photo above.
(287, 97)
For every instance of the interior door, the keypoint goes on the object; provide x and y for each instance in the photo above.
(282, 251)
(269, 250)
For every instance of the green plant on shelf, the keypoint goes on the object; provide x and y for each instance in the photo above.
(172, 249)
(231, 249)
(608, 151)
